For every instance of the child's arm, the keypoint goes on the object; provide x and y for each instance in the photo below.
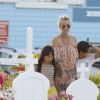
(97, 49)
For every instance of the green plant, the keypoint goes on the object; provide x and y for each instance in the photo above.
(8, 83)
(96, 80)
(98, 98)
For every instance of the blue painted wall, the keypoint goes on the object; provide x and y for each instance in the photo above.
(44, 23)
(86, 15)
(93, 3)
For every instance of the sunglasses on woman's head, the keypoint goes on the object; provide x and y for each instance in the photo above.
(68, 25)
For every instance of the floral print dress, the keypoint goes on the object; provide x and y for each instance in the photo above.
(66, 54)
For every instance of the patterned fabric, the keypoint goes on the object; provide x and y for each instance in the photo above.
(70, 75)
(65, 54)
(61, 83)
(48, 71)
(67, 57)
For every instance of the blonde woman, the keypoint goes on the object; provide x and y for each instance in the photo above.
(65, 50)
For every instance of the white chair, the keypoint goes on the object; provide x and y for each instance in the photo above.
(83, 89)
(31, 86)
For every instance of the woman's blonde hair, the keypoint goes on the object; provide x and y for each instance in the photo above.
(63, 17)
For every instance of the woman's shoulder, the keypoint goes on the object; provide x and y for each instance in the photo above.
(56, 37)
(73, 38)
(56, 40)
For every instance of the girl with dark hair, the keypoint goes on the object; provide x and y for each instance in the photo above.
(53, 71)
(85, 56)
(83, 47)
(46, 63)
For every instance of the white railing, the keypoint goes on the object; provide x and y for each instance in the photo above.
(14, 1)
(74, 2)
(15, 61)
(55, 4)
(44, 5)
(9, 1)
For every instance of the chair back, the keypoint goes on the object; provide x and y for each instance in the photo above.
(31, 86)
(83, 89)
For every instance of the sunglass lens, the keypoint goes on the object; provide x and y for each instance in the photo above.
(68, 26)
(63, 26)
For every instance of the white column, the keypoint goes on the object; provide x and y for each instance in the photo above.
(29, 56)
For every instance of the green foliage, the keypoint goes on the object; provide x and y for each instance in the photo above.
(1, 69)
(8, 82)
(98, 97)
(22, 56)
(96, 80)
(35, 55)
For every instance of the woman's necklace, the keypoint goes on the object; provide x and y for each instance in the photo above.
(65, 43)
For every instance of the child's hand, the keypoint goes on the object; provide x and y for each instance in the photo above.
(66, 96)
(70, 97)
